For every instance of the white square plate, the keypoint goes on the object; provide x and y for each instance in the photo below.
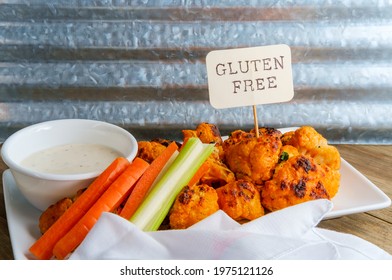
(356, 194)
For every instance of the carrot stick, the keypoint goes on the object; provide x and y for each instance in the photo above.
(113, 196)
(199, 173)
(144, 184)
(42, 248)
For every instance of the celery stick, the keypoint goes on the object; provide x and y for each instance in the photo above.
(164, 170)
(156, 205)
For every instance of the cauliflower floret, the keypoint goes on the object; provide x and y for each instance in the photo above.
(149, 150)
(253, 158)
(240, 200)
(297, 180)
(218, 173)
(309, 142)
(56, 210)
(206, 132)
(193, 204)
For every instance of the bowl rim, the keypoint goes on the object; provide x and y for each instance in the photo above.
(14, 166)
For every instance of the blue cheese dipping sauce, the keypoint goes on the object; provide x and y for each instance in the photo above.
(71, 159)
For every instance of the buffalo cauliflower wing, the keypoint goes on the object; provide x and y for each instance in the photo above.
(206, 132)
(55, 211)
(253, 158)
(330, 180)
(193, 204)
(298, 179)
(218, 173)
(240, 200)
(309, 142)
(149, 150)
(52, 213)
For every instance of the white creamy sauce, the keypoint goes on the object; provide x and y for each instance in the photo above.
(71, 159)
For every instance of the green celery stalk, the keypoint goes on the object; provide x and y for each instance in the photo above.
(164, 169)
(156, 205)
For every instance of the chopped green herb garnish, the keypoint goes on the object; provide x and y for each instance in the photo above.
(283, 156)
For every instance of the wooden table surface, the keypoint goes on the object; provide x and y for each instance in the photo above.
(375, 226)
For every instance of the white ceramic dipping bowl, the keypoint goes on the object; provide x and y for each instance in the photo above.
(44, 189)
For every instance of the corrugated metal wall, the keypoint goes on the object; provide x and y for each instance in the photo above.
(141, 64)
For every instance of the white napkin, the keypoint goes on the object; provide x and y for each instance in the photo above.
(290, 233)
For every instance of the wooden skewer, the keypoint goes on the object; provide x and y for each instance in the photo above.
(256, 122)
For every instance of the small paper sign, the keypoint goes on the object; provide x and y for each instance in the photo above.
(249, 76)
